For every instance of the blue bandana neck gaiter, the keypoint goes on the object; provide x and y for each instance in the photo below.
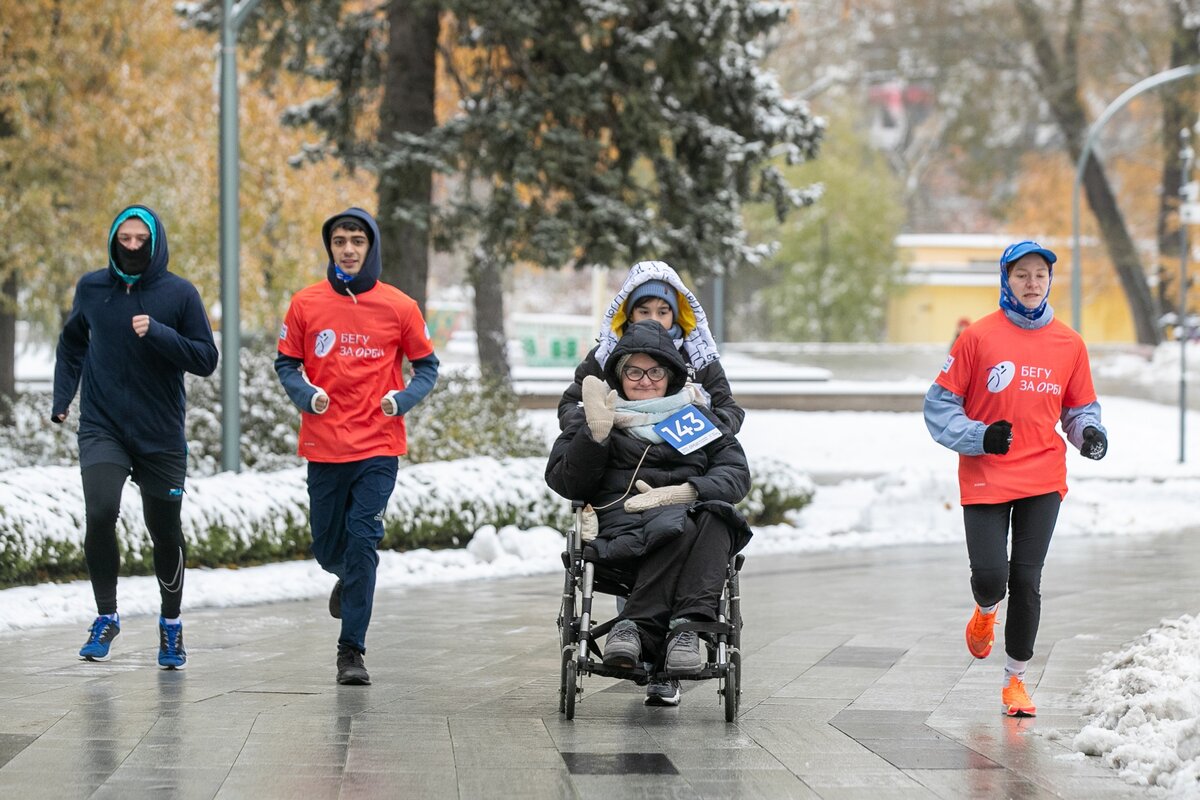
(1010, 302)
(343, 277)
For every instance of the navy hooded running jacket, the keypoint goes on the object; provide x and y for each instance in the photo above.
(133, 387)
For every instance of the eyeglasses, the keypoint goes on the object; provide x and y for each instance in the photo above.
(655, 374)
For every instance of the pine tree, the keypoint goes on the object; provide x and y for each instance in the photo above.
(586, 132)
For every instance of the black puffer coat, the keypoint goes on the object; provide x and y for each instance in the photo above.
(604, 473)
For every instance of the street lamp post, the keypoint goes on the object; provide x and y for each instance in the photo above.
(231, 339)
(1187, 205)
(1159, 79)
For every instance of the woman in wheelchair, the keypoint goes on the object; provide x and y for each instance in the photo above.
(664, 512)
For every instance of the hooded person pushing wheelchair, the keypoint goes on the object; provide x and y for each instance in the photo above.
(665, 511)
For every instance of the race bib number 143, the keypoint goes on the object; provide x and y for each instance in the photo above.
(687, 430)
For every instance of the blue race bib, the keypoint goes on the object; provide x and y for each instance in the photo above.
(687, 430)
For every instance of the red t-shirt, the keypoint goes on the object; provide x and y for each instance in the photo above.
(354, 351)
(1026, 377)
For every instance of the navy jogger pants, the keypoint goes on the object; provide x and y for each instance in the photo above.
(346, 506)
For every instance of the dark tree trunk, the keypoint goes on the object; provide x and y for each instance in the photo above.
(8, 347)
(408, 107)
(1179, 112)
(1059, 83)
(486, 279)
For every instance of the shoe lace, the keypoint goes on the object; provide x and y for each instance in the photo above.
(169, 638)
(982, 624)
(687, 640)
(625, 633)
(98, 629)
(1017, 695)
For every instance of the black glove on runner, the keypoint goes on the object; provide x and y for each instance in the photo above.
(1095, 443)
(997, 438)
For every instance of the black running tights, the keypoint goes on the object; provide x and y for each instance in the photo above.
(102, 486)
(992, 569)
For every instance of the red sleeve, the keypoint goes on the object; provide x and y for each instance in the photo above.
(416, 342)
(291, 334)
(956, 372)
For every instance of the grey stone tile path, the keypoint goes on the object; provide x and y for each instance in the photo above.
(857, 684)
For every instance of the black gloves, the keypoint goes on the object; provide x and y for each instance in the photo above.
(1095, 443)
(998, 437)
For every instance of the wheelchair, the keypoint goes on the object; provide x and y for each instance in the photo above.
(579, 631)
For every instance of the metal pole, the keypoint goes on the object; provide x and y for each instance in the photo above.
(231, 334)
(1116, 105)
(716, 320)
(1187, 156)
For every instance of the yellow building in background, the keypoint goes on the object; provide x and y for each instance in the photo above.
(955, 277)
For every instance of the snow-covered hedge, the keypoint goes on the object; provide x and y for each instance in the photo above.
(257, 517)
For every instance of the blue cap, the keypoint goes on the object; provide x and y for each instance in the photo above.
(654, 288)
(1021, 249)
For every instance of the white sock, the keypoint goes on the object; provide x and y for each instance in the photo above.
(174, 621)
(115, 617)
(988, 609)
(1014, 669)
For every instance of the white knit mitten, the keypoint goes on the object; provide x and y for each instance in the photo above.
(662, 496)
(598, 404)
(589, 526)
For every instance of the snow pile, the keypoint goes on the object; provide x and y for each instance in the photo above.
(1146, 702)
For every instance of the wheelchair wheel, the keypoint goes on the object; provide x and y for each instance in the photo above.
(731, 689)
(562, 682)
(566, 622)
(570, 687)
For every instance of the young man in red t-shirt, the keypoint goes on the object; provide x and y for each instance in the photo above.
(341, 349)
(1009, 380)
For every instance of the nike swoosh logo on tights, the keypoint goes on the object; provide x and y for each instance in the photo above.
(176, 584)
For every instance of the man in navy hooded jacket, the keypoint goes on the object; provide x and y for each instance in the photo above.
(133, 330)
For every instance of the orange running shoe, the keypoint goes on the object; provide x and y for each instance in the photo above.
(1015, 701)
(979, 633)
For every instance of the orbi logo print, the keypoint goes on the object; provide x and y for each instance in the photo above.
(1000, 376)
(325, 341)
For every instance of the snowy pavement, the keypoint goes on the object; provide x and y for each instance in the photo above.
(856, 686)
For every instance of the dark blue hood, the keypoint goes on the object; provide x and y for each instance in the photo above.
(159, 255)
(368, 276)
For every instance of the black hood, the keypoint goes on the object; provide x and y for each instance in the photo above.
(654, 340)
(368, 276)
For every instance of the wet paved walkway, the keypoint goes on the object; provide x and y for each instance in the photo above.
(857, 685)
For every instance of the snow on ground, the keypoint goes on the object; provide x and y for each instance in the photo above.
(1146, 706)
(881, 481)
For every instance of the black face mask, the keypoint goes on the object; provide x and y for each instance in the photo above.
(131, 262)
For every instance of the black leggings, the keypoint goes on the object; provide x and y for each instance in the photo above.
(102, 486)
(987, 526)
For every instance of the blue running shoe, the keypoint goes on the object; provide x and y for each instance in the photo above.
(171, 654)
(100, 637)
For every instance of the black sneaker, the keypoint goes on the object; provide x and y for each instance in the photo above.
(335, 600)
(663, 694)
(351, 671)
